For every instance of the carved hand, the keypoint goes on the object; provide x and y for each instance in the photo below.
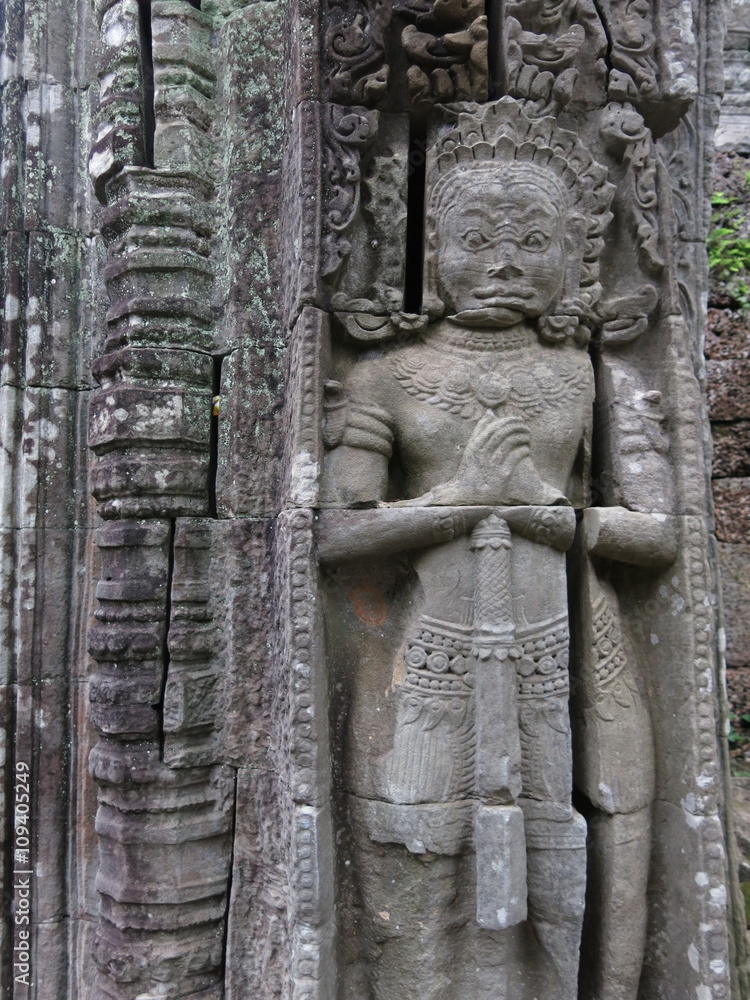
(496, 468)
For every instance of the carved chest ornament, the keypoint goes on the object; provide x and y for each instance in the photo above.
(469, 388)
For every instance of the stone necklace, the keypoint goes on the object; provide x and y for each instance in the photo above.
(443, 373)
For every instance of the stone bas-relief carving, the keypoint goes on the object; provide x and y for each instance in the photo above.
(494, 769)
(458, 742)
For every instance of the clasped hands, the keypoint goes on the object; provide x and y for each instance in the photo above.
(496, 469)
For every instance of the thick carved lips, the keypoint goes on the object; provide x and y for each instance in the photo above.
(498, 296)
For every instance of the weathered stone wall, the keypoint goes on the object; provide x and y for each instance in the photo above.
(728, 348)
(728, 371)
(51, 259)
(728, 355)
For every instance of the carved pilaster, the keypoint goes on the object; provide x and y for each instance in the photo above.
(165, 807)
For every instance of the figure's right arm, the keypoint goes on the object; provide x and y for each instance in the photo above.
(359, 439)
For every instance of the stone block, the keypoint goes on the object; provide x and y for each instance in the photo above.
(698, 902)
(13, 250)
(12, 38)
(120, 138)
(500, 847)
(309, 353)
(257, 897)
(183, 67)
(51, 459)
(249, 470)
(252, 141)
(732, 509)
(12, 142)
(731, 452)
(728, 389)
(298, 659)
(50, 40)
(302, 251)
(58, 321)
(301, 52)
(734, 560)
(727, 335)
(50, 112)
(192, 709)
(440, 828)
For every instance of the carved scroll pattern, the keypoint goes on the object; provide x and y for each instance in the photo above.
(543, 44)
(447, 48)
(346, 133)
(444, 42)
(634, 69)
(354, 51)
(628, 138)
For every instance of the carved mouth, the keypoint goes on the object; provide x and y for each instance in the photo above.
(497, 297)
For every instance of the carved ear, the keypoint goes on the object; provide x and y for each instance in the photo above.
(432, 304)
(575, 246)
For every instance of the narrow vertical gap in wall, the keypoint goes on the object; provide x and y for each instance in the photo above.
(496, 83)
(413, 271)
(195, 3)
(597, 483)
(167, 622)
(147, 64)
(230, 876)
(213, 458)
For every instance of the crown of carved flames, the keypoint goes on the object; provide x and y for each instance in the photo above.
(499, 134)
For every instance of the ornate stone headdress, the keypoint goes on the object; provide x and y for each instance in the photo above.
(499, 137)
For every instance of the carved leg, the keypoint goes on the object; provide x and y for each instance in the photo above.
(615, 931)
(555, 837)
(555, 833)
(410, 902)
(614, 768)
(556, 859)
(433, 744)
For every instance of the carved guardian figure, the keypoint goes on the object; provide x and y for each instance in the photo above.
(459, 745)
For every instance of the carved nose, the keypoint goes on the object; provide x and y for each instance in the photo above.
(504, 270)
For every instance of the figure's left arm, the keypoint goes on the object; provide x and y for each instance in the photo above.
(628, 536)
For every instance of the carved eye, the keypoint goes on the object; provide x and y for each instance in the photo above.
(475, 240)
(536, 240)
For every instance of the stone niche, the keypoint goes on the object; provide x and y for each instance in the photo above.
(392, 629)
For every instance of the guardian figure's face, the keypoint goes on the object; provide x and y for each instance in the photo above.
(501, 245)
